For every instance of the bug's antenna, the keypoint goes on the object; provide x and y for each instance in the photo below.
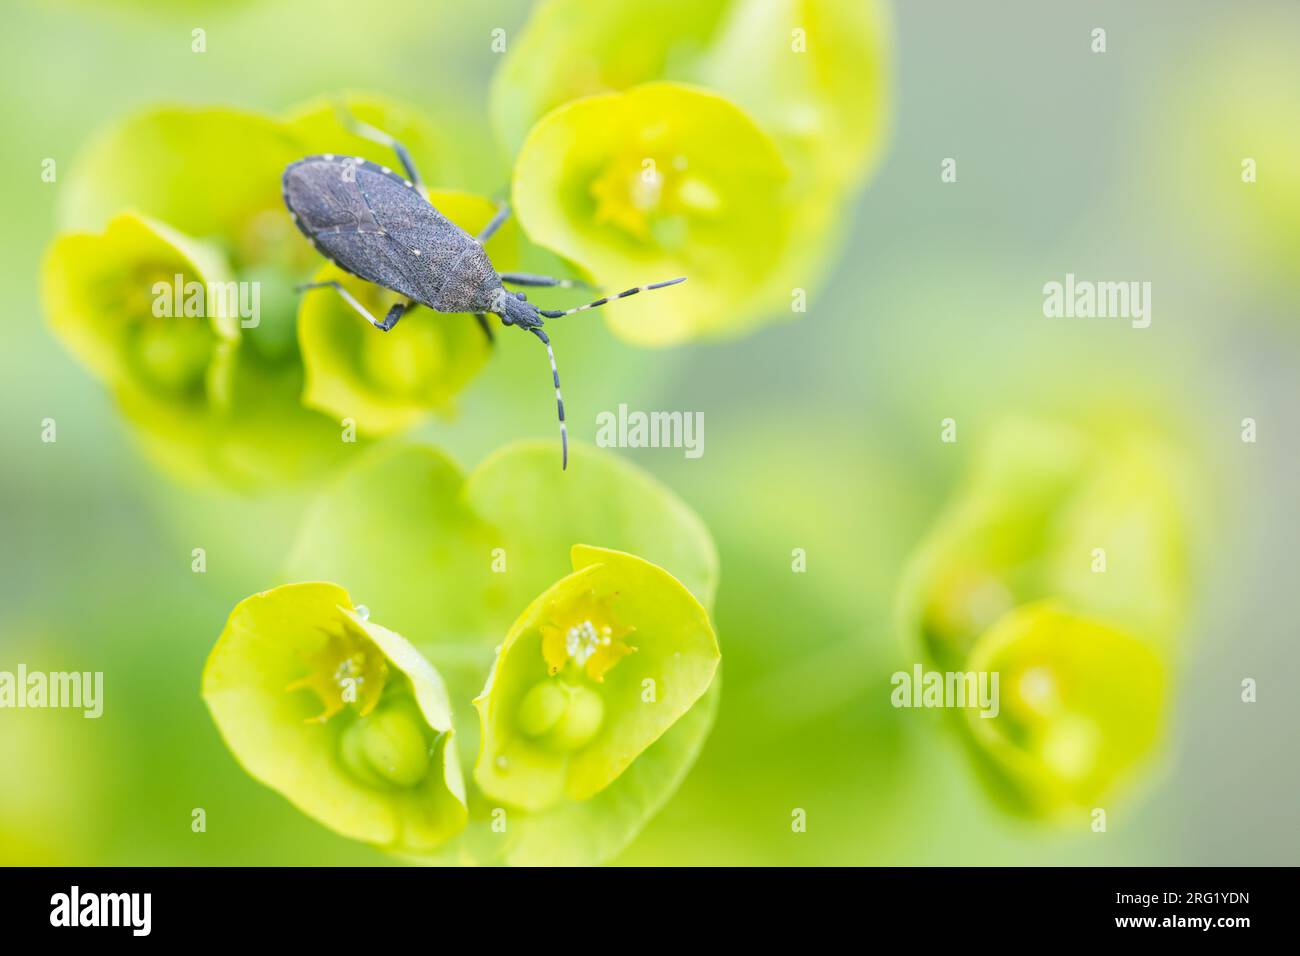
(555, 314)
(559, 399)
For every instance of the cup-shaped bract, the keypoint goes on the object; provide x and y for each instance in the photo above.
(388, 381)
(340, 715)
(595, 670)
(655, 182)
(1080, 706)
(131, 304)
(151, 312)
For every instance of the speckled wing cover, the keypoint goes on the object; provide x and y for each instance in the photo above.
(371, 222)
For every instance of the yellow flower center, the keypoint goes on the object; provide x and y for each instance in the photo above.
(347, 671)
(650, 197)
(583, 637)
(583, 640)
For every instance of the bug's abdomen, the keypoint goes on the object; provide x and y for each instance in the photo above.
(373, 223)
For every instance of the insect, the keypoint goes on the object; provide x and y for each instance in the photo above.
(377, 225)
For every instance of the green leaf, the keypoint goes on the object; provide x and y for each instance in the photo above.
(658, 181)
(433, 579)
(1081, 708)
(388, 381)
(341, 716)
(396, 528)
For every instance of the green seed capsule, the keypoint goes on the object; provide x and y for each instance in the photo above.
(173, 353)
(387, 747)
(581, 720)
(352, 753)
(542, 708)
(563, 716)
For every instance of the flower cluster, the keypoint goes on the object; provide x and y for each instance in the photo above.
(589, 711)
(173, 282)
(1062, 568)
(717, 139)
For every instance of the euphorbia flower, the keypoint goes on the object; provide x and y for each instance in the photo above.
(1082, 705)
(243, 399)
(340, 715)
(1022, 578)
(575, 731)
(103, 294)
(809, 77)
(662, 179)
(583, 635)
(569, 706)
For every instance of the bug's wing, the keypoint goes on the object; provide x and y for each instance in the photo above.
(374, 224)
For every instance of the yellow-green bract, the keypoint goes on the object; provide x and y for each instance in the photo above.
(1063, 566)
(660, 656)
(340, 715)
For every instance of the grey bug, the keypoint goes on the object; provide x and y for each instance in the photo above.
(380, 226)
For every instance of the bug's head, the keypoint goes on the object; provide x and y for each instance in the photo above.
(515, 309)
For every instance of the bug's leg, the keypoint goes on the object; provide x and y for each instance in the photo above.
(494, 224)
(559, 399)
(377, 135)
(487, 329)
(390, 320)
(347, 296)
(557, 313)
(527, 278)
(398, 310)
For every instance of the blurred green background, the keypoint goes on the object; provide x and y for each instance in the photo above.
(821, 434)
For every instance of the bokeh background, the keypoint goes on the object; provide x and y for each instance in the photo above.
(821, 433)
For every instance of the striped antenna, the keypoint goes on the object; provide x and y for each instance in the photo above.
(555, 314)
(559, 399)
